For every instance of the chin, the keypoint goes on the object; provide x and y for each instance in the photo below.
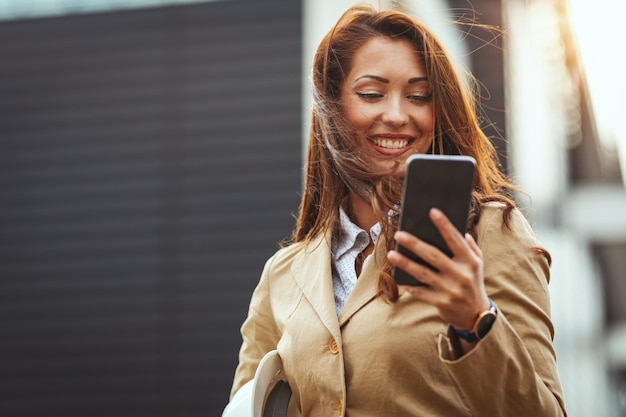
(392, 168)
(401, 167)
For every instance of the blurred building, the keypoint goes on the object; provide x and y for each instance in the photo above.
(571, 163)
(150, 161)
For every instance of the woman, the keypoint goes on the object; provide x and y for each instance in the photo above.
(384, 89)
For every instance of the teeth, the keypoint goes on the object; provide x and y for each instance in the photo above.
(391, 144)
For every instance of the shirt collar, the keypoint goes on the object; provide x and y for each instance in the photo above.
(349, 233)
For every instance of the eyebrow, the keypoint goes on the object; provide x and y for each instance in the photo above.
(386, 81)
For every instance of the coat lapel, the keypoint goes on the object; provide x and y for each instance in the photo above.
(313, 274)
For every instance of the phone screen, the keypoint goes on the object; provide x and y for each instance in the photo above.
(441, 181)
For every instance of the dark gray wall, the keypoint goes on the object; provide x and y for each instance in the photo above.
(150, 161)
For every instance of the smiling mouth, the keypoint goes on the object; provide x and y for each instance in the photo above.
(391, 143)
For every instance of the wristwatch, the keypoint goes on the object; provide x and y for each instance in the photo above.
(481, 326)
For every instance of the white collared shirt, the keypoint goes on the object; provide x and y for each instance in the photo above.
(345, 248)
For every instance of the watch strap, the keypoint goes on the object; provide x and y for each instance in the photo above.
(465, 334)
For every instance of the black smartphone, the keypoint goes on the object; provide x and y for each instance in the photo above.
(441, 181)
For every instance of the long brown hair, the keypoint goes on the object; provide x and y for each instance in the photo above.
(334, 170)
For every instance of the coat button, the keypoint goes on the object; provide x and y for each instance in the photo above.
(332, 346)
(339, 407)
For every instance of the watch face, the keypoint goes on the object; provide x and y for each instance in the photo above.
(485, 323)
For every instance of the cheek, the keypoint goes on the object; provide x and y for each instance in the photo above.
(361, 122)
(426, 120)
(432, 122)
(357, 116)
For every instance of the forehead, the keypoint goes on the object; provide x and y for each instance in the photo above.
(383, 55)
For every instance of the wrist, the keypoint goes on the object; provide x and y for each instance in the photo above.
(481, 326)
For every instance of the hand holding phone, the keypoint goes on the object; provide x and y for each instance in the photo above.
(441, 181)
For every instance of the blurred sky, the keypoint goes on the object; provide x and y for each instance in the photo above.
(10, 9)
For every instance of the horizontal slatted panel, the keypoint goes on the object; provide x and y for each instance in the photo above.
(149, 164)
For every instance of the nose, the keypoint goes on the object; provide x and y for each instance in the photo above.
(395, 114)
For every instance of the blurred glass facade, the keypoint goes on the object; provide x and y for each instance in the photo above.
(565, 153)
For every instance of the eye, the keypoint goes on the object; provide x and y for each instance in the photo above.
(369, 96)
(419, 98)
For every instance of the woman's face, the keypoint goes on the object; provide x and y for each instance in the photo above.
(387, 100)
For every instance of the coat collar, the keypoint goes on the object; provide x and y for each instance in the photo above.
(312, 271)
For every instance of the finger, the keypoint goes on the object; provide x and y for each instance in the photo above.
(429, 253)
(473, 245)
(421, 292)
(455, 241)
(419, 272)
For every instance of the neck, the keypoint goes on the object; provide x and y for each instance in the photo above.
(361, 213)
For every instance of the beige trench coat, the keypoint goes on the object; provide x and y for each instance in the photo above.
(383, 359)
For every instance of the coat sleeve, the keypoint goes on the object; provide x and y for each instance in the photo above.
(515, 364)
(259, 331)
